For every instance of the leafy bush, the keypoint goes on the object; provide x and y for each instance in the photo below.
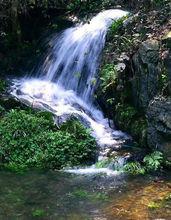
(116, 25)
(31, 140)
(134, 168)
(153, 161)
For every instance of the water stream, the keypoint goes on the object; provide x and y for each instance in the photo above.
(62, 196)
(66, 78)
(64, 84)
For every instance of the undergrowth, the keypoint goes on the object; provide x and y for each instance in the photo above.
(30, 139)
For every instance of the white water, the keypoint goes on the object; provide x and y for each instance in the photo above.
(68, 74)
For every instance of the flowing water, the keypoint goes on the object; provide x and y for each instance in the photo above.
(62, 196)
(66, 78)
(64, 84)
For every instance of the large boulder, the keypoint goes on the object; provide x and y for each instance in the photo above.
(145, 66)
(159, 125)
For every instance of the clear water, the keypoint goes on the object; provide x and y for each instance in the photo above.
(62, 196)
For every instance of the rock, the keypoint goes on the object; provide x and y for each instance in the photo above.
(167, 61)
(167, 39)
(159, 125)
(145, 66)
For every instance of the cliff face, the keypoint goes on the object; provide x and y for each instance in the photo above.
(139, 53)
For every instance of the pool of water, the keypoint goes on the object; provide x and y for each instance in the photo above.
(65, 196)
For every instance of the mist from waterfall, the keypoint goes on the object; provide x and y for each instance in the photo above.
(66, 78)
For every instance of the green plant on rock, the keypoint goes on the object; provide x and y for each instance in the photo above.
(31, 140)
(108, 77)
(125, 114)
(153, 161)
(38, 213)
(104, 163)
(134, 168)
(116, 25)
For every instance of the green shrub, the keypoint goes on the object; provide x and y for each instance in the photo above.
(116, 25)
(31, 140)
(134, 168)
(153, 161)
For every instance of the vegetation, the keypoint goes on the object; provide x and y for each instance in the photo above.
(129, 118)
(38, 213)
(108, 77)
(151, 163)
(31, 140)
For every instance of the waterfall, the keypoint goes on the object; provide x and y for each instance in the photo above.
(66, 78)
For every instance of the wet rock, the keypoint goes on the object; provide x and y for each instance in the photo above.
(159, 125)
(145, 66)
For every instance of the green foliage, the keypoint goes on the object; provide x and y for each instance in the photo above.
(32, 140)
(87, 6)
(134, 168)
(153, 161)
(108, 76)
(38, 213)
(154, 205)
(160, 203)
(126, 113)
(116, 25)
(103, 163)
(131, 120)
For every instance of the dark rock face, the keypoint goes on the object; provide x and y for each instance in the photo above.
(167, 42)
(159, 125)
(145, 65)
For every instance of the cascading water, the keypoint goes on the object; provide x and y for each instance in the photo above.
(66, 79)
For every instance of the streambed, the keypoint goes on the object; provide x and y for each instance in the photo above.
(64, 196)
